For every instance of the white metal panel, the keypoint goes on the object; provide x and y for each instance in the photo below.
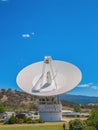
(67, 77)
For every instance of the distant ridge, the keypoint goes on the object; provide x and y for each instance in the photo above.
(79, 99)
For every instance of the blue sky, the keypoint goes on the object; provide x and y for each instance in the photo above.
(65, 29)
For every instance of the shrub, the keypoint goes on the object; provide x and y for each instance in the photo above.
(20, 121)
(11, 120)
(40, 121)
(77, 124)
(34, 121)
(2, 109)
(77, 108)
(29, 120)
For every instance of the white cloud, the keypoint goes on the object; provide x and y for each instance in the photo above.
(94, 87)
(33, 33)
(26, 35)
(85, 85)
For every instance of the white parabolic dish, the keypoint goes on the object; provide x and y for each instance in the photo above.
(66, 77)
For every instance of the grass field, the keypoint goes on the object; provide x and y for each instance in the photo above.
(39, 127)
(43, 126)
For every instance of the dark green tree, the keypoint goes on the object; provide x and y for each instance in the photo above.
(2, 108)
(12, 120)
(77, 108)
(77, 125)
(93, 119)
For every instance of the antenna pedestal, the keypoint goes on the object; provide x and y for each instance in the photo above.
(50, 108)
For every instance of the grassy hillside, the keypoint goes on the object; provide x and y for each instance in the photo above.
(14, 100)
(17, 101)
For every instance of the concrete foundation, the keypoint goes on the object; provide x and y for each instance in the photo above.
(50, 109)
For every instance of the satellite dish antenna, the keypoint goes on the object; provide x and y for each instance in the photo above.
(48, 79)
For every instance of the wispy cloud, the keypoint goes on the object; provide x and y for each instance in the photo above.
(33, 33)
(25, 35)
(85, 85)
(28, 35)
(94, 87)
(90, 85)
